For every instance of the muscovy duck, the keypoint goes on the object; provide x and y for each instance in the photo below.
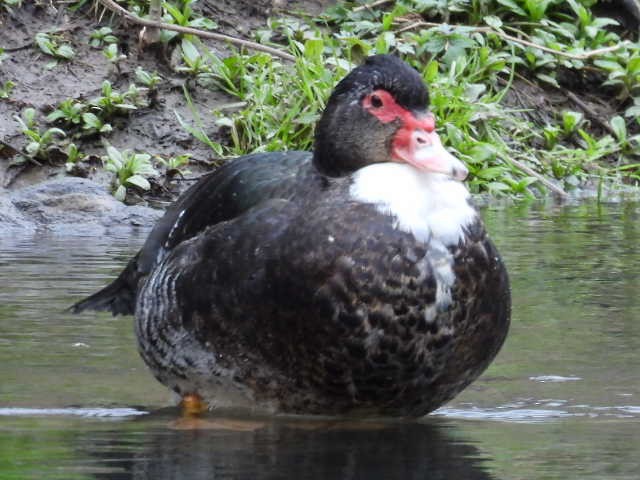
(357, 279)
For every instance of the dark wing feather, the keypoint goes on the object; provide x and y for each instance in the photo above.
(216, 197)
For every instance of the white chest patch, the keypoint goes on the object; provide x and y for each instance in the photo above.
(425, 204)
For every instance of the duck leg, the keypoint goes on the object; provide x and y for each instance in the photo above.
(193, 405)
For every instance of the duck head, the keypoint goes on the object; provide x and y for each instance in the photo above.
(378, 113)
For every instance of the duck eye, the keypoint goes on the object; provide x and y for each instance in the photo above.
(376, 101)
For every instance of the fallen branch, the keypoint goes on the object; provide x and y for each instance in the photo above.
(547, 183)
(589, 111)
(114, 7)
(19, 47)
(369, 6)
(506, 36)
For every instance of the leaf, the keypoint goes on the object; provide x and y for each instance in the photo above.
(313, 49)
(526, 181)
(633, 65)
(490, 173)
(497, 187)
(601, 22)
(619, 128)
(125, 106)
(142, 76)
(91, 121)
(632, 111)
(55, 115)
(139, 181)
(189, 52)
(29, 116)
(115, 155)
(608, 65)
(54, 131)
(513, 6)
(120, 193)
(385, 41)
(224, 122)
(111, 51)
(35, 136)
(174, 12)
(431, 71)
(536, 9)
(548, 79)
(571, 120)
(106, 88)
(32, 148)
(481, 152)
(45, 44)
(474, 91)
(203, 22)
(434, 45)
(65, 51)
(493, 21)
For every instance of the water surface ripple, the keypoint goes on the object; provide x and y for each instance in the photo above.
(561, 401)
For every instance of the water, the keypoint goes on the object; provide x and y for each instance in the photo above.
(561, 401)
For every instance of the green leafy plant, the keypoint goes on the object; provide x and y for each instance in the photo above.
(571, 121)
(73, 153)
(175, 164)
(40, 141)
(53, 46)
(6, 88)
(74, 157)
(471, 53)
(194, 62)
(112, 102)
(91, 123)
(69, 112)
(629, 144)
(131, 170)
(101, 36)
(181, 13)
(149, 80)
(112, 54)
(93, 117)
(623, 72)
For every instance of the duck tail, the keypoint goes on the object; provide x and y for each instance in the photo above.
(118, 297)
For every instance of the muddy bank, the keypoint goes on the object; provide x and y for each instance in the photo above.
(153, 127)
(42, 193)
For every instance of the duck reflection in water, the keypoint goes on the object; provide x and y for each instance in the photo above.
(284, 450)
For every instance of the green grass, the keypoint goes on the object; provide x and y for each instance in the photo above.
(475, 55)
(469, 54)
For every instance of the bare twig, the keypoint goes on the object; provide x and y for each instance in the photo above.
(590, 111)
(114, 7)
(511, 38)
(547, 183)
(369, 6)
(19, 47)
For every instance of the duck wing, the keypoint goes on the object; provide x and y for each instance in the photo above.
(216, 197)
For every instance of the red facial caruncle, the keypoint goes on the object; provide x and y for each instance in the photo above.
(415, 142)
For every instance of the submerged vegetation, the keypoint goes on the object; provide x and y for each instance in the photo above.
(490, 65)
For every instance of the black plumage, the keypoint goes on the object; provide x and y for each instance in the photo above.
(270, 283)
